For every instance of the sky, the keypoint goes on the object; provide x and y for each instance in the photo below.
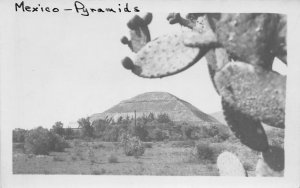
(68, 67)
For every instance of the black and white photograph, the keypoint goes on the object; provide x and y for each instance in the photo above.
(131, 93)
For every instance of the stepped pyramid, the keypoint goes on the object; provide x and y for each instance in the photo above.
(157, 103)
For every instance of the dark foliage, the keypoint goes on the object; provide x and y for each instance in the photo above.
(19, 135)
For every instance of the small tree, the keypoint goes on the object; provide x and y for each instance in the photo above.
(111, 133)
(158, 134)
(57, 143)
(151, 117)
(163, 118)
(206, 152)
(212, 131)
(19, 135)
(37, 141)
(140, 130)
(41, 141)
(187, 131)
(69, 133)
(99, 127)
(120, 119)
(57, 128)
(87, 129)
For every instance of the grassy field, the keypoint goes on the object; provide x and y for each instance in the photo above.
(107, 158)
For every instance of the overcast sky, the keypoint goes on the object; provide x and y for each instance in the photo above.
(68, 67)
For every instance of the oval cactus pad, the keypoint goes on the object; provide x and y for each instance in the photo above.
(165, 56)
(249, 131)
(258, 93)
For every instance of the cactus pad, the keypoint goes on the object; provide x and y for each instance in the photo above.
(229, 165)
(251, 38)
(255, 92)
(249, 131)
(164, 56)
(271, 163)
(196, 39)
(139, 32)
(258, 93)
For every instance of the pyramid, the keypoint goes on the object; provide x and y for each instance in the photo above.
(157, 103)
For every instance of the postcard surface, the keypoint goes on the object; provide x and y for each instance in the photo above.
(129, 93)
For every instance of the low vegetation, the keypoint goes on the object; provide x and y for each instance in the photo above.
(19, 135)
(155, 128)
(162, 159)
(132, 145)
(148, 146)
(41, 141)
(203, 151)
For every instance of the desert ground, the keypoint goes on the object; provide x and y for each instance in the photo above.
(168, 158)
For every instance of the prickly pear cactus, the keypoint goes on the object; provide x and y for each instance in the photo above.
(239, 49)
(229, 165)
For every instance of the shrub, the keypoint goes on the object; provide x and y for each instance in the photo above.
(212, 131)
(140, 131)
(221, 136)
(111, 133)
(86, 128)
(57, 128)
(132, 145)
(203, 151)
(99, 126)
(151, 117)
(196, 132)
(69, 133)
(163, 118)
(186, 132)
(40, 141)
(176, 132)
(158, 135)
(37, 141)
(112, 159)
(19, 135)
(57, 143)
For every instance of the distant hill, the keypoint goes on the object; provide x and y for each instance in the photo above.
(219, 116)
(157, 103)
